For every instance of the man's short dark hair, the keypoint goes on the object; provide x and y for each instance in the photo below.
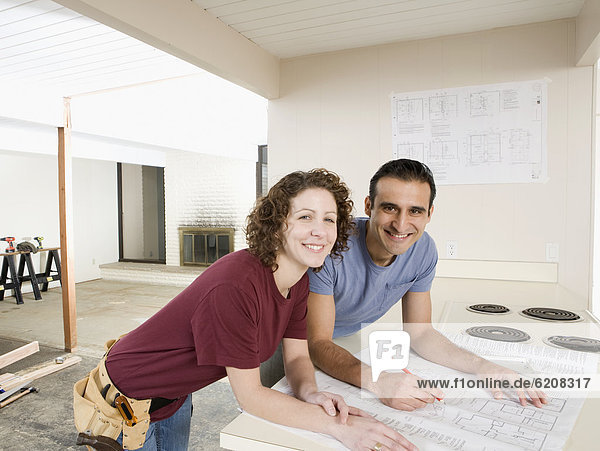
(406, 170)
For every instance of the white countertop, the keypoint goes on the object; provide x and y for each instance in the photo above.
(449, 297)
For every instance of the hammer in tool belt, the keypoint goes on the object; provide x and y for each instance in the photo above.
(100, 442)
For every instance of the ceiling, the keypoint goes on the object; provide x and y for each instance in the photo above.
(48, 52)
(45, 44)
(290, 28)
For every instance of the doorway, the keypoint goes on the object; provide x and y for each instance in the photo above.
(141, 198)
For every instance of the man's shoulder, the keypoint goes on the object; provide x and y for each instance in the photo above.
(356, 244)
(349, 262)
(426, 239)
(423, 253)
(358, 236)
(425, 243)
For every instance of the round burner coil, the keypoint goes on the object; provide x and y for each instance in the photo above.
(498, 333)
(550, 314)
(493, 309)
(580, 344)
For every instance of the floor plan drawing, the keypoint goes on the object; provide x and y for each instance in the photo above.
(442, 108)
(484, 149)
(494, 133)
(443, 152)
(409, 115)
(518, 146)
(485, 103)
(467, 420)
(414, 151)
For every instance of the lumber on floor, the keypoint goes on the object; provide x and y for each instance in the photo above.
(19, 353)
(6, 376)
(32, 374)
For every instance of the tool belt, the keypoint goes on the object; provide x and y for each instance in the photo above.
(101, 410)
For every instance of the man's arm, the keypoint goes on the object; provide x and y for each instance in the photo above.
(395, 390)
(428, 342)
(329, 357)
(433, 346)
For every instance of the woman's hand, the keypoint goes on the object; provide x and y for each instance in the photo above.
(363, 432)
(331, 403)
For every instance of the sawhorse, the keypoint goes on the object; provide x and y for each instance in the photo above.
(8, 264)
(46, 277)
(25, 259)
(17, 278)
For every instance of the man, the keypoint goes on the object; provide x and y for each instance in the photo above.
(391, 257)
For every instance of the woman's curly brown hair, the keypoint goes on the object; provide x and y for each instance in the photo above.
(267, 220)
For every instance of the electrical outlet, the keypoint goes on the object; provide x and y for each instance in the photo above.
(552, 252)
(451, 249)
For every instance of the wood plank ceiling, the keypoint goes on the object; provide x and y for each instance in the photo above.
(289, 28)
(47, 45)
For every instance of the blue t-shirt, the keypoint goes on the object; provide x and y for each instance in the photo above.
(363, 291)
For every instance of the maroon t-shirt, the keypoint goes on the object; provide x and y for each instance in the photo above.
(231, 315)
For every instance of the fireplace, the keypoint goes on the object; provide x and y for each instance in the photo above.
(202, 246)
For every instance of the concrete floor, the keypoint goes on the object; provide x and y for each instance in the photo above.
(105, 309)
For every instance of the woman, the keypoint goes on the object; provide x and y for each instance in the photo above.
(232, 317)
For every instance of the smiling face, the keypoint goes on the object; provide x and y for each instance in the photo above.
(398, 215)
(311, 230)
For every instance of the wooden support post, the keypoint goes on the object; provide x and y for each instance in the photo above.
(65, 200)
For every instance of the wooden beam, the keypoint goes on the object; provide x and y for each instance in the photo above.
(19, 353)
(65, 202)
(184, 29)
(587, 34)
(42, 370)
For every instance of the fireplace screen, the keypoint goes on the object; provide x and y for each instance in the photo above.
(204, 246)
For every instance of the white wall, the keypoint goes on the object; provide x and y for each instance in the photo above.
(334, 112)
(95, 223)
(200, 113)
(206, 191)
(30, 184)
